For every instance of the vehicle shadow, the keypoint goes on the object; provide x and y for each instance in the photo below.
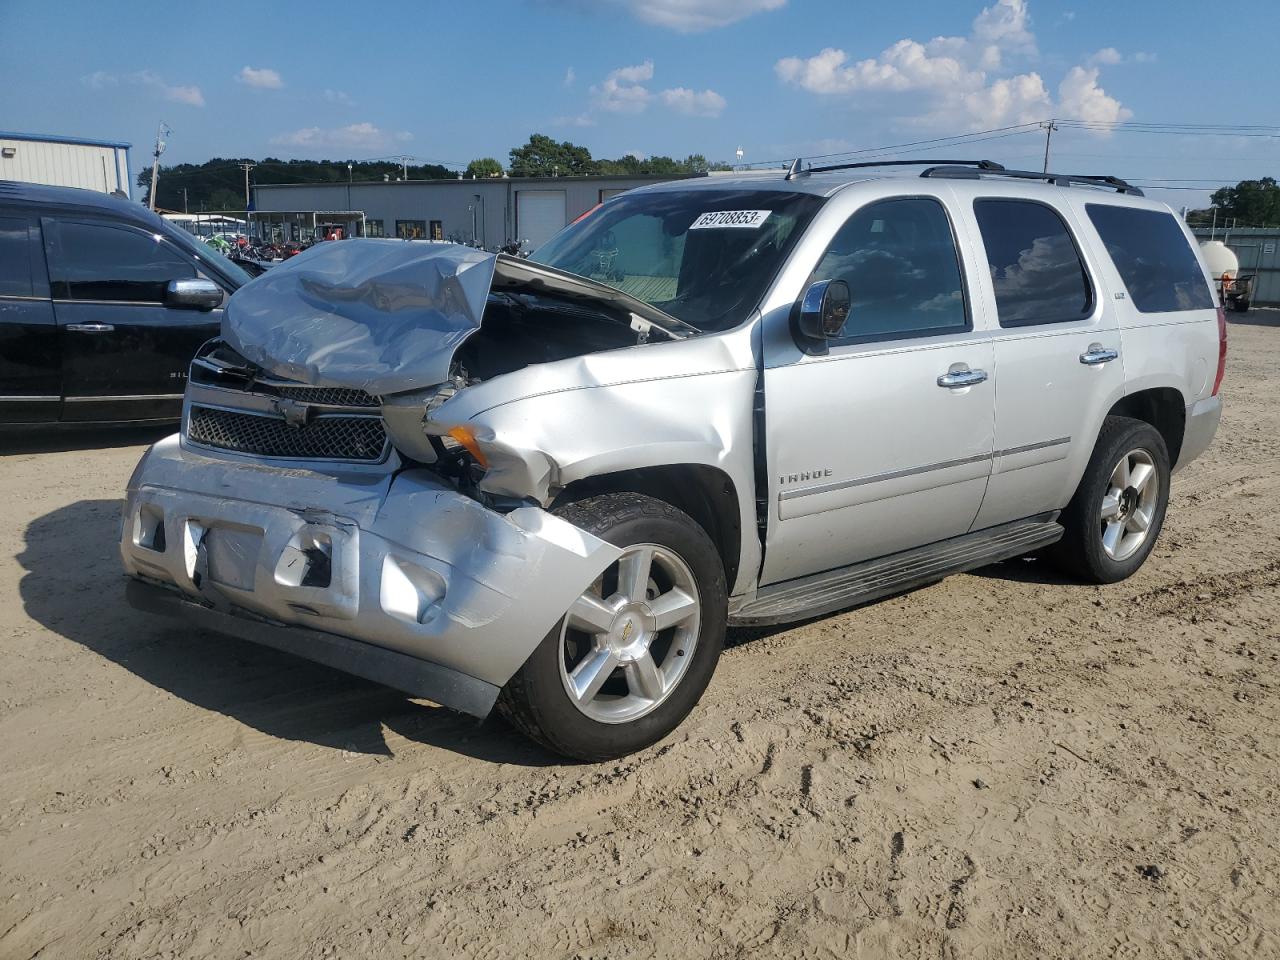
(56, 438)
(1255, 318)
(70, 586)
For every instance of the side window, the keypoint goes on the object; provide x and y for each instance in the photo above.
(1035, 267)
(1151, 253)
(373, 228)
(900, 261)
(15, 258)
(98, 262)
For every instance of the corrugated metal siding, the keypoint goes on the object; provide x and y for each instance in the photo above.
(1258, 250)
(445, 200)
(100, 168)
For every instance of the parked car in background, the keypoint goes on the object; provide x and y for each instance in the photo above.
(102, 306)
(550, 484)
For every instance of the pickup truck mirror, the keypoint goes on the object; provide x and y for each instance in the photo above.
(193, 294)
(824, 310)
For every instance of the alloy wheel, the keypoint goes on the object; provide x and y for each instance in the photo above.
(1129, 505)
(629, 638)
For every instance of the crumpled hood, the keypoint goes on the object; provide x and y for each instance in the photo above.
(386, 316)
(382, 316)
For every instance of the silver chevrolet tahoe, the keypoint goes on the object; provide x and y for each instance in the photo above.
(552, 484)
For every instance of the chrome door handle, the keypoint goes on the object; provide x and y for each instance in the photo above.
(90, 327)
(1097, 354)
(961, 376)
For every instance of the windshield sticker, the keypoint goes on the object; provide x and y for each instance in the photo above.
(746, 219)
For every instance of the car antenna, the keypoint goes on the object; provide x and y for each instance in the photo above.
(795, 169)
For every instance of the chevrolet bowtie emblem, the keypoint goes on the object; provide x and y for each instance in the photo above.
(295, 413)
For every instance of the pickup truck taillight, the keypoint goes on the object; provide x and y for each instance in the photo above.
(1222, 350)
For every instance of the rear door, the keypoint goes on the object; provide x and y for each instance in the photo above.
(30, 368)
(1057, 352)
(125, 353)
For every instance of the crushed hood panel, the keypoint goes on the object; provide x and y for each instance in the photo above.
(386, 316)
(382, 316)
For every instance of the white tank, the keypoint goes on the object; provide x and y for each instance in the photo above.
(1219, 258)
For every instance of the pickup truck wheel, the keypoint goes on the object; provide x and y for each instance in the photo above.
(634, 653)
(1116, 514)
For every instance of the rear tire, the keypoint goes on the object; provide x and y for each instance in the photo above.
(1115, 517)
(625, 666)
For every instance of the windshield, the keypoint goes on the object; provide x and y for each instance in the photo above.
(703, 256)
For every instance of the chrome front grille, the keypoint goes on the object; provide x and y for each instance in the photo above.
(328, 396)
(328, 436)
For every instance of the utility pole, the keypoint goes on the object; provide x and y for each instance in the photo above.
(184, 200)
(246, 167)
(1049, 127)
(162, 131)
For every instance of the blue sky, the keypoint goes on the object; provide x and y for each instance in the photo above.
(452, 81)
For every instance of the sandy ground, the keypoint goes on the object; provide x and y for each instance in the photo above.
(1001, 765)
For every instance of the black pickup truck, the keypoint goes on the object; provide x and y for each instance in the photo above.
(102, 306)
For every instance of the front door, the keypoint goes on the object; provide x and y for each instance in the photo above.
(30, 368)
(884, 442)
(125, 353)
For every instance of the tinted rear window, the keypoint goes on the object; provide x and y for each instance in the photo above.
(1157, 265)
(1036, 270)
(15, 259)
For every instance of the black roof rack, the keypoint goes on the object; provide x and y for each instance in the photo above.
(797, 167)
(947, 168)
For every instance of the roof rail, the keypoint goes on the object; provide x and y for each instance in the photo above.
(963, 172)
(796, 165)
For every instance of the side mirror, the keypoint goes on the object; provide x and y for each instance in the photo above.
(824, 310)
(193, 294)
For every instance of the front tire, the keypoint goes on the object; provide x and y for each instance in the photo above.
(1118, 510)
(633, 655)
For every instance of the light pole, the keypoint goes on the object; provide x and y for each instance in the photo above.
(348, 173)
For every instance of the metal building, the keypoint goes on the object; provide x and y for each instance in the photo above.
(101, 165)
(486, 212)
(1258, 250)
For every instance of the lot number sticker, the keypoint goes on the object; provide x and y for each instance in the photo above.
(744, 219)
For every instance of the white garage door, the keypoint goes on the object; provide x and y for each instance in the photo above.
(540, 215)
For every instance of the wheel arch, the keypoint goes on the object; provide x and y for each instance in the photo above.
(706, 493)
(1164, 408)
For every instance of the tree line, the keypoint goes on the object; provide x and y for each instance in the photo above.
(1250, 203)
(218, 184)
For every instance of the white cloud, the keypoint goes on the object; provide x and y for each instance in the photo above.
(963, 80)
(623, 91)
(695, 16)
(570, 77)
(1143, 57)
(706, 103)
(100, 79)
(577, 120)
(1081, 98)
(403, 136)
(339, 97)
(264, 78)
(355, 136)
(191, 95)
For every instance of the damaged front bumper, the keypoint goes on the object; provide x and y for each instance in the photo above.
(396, 577)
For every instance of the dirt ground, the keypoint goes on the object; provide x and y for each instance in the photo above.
(1001, 765)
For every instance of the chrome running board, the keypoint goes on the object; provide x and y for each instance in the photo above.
(833, 590)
